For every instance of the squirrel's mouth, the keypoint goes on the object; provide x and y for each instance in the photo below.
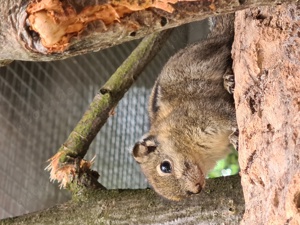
(195, 179)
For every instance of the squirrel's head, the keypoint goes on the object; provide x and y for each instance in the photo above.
(172, 174)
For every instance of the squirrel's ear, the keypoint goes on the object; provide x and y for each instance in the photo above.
(142, 148)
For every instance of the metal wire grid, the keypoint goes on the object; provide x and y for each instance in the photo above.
(40, 103)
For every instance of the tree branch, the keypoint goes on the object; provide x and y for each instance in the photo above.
(221, 202)
(67, 164)
(19, 42)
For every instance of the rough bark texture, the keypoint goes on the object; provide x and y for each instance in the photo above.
(220, 203)
(267, 68)
(18, 42)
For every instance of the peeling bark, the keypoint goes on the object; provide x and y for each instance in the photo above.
(267, 94)
(19, 42)
(221, 203)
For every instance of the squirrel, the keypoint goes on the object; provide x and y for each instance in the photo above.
(192, 116)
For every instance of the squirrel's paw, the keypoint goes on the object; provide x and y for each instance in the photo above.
(234, 139)
(229, 80)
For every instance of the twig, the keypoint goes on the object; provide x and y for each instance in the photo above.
(67, 165)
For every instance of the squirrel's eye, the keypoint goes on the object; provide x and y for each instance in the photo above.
(165, 167)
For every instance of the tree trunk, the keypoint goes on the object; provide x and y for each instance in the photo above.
(266, 56)
(19, 42)
(221, 203)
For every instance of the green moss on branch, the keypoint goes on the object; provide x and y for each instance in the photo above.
(68, 161)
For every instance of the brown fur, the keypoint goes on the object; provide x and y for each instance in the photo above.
(192, 116)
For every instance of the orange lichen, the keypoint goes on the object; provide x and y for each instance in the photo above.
(65, 173)
(56, 21)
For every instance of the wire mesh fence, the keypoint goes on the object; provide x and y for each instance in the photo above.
(40, 103)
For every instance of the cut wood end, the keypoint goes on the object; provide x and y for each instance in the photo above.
(65, 173)
(57, 21)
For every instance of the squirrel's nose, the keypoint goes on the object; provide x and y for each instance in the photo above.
(195, 189)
